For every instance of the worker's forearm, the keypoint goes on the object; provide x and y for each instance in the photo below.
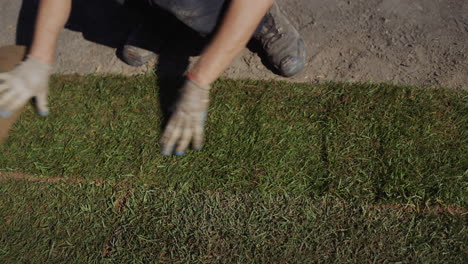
(51, 18)
(240, 22)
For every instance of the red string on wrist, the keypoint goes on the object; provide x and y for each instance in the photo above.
(190, 76)
(195, 81)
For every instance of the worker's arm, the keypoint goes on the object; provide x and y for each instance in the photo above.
(31, 77)
(237, 28)
(186, 125)
(51, 18)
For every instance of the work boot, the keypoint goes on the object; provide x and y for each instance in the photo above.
(282, 43)
(140, 45)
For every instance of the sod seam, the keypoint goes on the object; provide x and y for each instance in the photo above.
(127, 188)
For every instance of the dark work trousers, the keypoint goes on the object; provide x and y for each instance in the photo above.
(203, 16)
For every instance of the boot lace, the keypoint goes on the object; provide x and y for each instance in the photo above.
(272, 33)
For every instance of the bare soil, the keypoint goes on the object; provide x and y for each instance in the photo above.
(405, 42)
(418, 42)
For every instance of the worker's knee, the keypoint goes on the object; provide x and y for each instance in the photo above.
(202, 16)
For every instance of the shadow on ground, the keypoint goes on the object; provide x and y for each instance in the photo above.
(108, 23)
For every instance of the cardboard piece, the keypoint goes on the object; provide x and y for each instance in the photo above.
(10, 57)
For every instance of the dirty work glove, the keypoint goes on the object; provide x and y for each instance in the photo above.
(29, 79)
(186, 125)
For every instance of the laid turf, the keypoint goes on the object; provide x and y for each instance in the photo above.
(85, 223)
(289, 172)
(372, 142)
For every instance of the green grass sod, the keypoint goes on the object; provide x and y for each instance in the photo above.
(289, 172)
(88, 223)
(363, 141)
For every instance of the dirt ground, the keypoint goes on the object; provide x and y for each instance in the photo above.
(417, 42)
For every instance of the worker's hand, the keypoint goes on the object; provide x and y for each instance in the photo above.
(186, 125)
(17, 87)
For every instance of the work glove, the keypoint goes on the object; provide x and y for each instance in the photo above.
(186, 124)
(17, 87)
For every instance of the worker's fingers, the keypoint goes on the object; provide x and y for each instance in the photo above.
(198, 134)
(5, 95)
(4, 85)
(5, 101)
(168, 129)
(184, 140)
(18, 101)
(41, 104)
(4, 81)
(4, 75)
(8, 99)
(171, 135)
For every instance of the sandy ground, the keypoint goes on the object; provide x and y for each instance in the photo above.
(417, 42)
